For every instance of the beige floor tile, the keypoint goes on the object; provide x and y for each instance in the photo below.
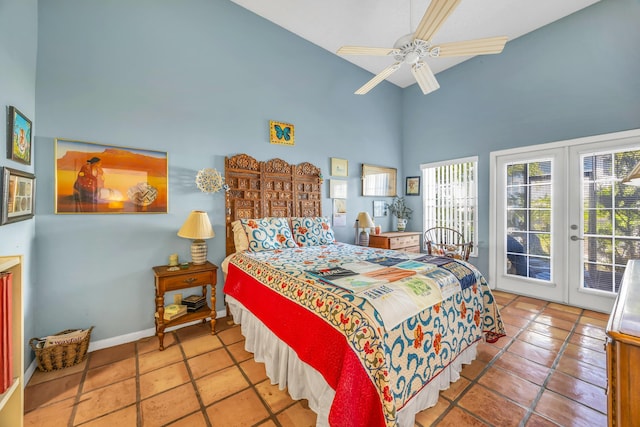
(455, 389)
(256, 371)
(124, 417)
(163, 379)
(231, 335)
(105, 400)
(145, 345)
(194, 420)
(41, 376)
(566, 412)
(111, 354)
(274, 397)
(428, 416)
(510, 386)
(221, 384)
(169, 406)
(52, 391)
(238, 352)
(193, 331)
(157, 359)
(488, 405)
(456, 417)
(241, 409)
(200, 344)
(209, 362)
(297, 416)
(472, 370)
(109, 374)
(57, 413)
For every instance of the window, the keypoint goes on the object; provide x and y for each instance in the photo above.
(451, 196)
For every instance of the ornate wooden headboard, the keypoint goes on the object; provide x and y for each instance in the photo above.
(271, 188)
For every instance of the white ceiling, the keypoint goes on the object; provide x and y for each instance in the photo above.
(379, 23)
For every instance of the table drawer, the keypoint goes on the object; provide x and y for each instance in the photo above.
(404, 241)
(194, 279)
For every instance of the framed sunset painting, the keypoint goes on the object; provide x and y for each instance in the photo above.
(106, 179)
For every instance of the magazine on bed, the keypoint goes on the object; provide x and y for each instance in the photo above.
(396, 288)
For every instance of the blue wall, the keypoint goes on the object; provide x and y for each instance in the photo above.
(577, 77)
(200, 80)
(18, 45)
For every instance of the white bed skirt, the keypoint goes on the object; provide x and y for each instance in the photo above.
(303, 382)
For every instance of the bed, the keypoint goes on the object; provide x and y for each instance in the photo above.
(368, 336)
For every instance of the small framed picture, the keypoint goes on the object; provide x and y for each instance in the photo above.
(337, 189)
(281, 133)
(18, 136)
(379, 208)
(339, 167)
(412, 186)
(18, 195)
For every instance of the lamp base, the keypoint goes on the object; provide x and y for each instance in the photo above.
(199, 252)
(363, 239)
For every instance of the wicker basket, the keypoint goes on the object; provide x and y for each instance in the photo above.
(62, 355)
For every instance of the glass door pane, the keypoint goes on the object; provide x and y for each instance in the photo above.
(528, 209)
(611, 212)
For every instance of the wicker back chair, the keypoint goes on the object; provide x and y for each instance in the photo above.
(444, 241)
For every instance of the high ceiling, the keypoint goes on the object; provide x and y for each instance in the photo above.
(380, 23)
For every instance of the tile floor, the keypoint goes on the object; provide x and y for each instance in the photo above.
(550, 370)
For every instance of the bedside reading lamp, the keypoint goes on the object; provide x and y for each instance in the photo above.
(197, 227)
(364, 222)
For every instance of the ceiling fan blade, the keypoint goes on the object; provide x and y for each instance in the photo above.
(437, 12)
(471, 47)
(378, 78)
(361, 50)
(425, 77)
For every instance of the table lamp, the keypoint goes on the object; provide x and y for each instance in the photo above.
(364, 222)
(197, 227)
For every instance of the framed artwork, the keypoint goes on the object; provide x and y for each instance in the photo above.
(18, 136)
(339, 167)
(379, 181)
(281, 133)
(105, 179)
(412, 186)
(18, 195)
(337, 189)
(379, 208)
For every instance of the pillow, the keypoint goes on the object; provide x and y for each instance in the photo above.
(266, 234)
(312, 231)
(240, 240)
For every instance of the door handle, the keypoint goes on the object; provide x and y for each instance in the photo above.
(576, 238)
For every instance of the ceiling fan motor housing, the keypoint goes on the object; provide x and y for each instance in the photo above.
(409, 50)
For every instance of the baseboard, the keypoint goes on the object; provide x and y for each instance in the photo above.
(121, 339)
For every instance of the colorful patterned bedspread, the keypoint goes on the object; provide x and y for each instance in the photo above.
(398, 361)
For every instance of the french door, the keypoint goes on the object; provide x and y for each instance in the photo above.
(564, 224)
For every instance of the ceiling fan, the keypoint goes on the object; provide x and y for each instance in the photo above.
(412, 48)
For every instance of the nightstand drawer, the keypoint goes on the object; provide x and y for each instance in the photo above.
(404, 241)
(182, 281)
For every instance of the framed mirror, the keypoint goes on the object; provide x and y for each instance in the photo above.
(378, 181)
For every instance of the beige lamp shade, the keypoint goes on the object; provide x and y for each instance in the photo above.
(197, 227)
(365, 221)
(634, 176)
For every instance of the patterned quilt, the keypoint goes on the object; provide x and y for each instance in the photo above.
(396, 359)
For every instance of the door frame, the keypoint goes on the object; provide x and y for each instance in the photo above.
(496, 248)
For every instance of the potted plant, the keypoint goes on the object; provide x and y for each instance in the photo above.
(401, 211)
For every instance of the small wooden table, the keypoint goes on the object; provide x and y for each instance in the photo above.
(196, 275)
(406, 241)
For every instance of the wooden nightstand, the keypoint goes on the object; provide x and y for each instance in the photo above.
(196, 275)
(406, 241)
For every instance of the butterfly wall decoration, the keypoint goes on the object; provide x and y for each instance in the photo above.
(281, 133)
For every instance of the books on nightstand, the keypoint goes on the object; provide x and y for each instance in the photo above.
(173, 311)
(194, 302)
